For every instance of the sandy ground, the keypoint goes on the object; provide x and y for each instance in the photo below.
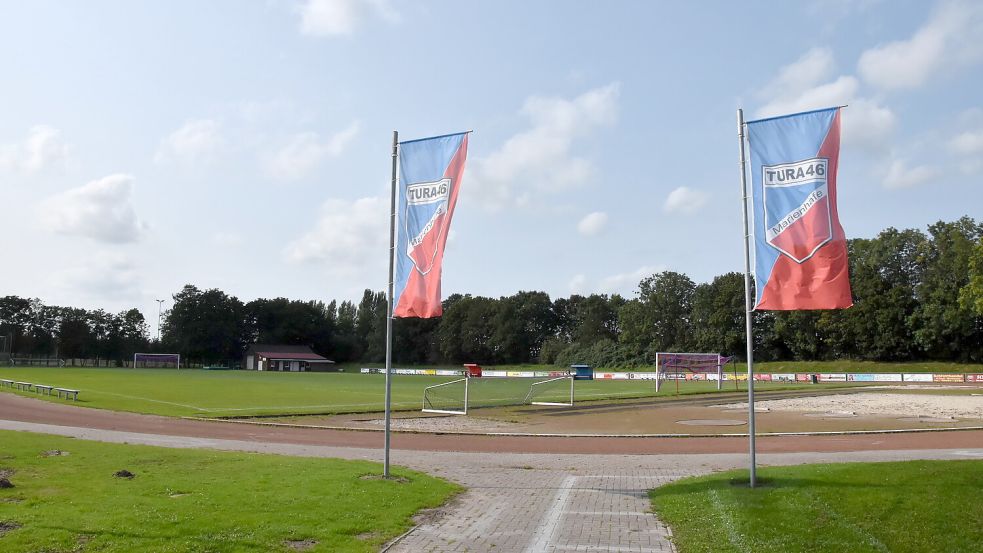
(449, 423)
(883, 404)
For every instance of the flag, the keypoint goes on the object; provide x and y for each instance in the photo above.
(430, 172)
(799, 245)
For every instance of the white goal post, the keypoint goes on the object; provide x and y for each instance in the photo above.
(533, 390)
(458, 396)
(156, 359)
(681, 363)
(431, 406)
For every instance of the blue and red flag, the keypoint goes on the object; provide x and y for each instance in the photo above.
(430, 178)
(799, 245)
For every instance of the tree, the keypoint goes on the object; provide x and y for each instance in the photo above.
(944, 328)
(207, 325)
(718, 320)
(522, 323)
(660, 319)
(971, 295)
(466, 329)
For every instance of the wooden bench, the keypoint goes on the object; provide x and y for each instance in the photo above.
(5, 382)
(67, 392)
(23, 385)
(42, 389)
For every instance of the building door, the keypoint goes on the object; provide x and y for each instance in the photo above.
(294, 366)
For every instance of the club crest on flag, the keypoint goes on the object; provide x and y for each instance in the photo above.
(796, 205)
(426, 203)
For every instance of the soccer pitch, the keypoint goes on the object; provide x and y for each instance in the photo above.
(247, 393)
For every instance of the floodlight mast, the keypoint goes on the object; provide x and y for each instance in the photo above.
(748, 305)
(160, 304)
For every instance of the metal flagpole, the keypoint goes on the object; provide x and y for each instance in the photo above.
(389, 305)
(748, 305)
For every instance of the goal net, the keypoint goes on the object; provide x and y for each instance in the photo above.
(477, 389)
(689, 366)
(156, 360)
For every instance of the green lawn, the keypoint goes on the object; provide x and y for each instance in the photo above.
(191, 500)
(250, 393)
(913, 506)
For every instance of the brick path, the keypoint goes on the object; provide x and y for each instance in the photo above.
(547, 504)
(520, 502)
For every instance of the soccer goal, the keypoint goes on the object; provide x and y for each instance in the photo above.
(156, 360)
(480, 388)
(689, 366)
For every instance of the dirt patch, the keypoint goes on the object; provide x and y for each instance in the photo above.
(8, 526)
(882, 404)
(5, 484)
(397, 479)
(300, 545)
(124, 474)
(54, 453)
(6, 473)
(369, 536)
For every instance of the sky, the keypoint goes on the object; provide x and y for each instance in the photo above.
(246, 145)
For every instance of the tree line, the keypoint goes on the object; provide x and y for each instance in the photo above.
(917, 295)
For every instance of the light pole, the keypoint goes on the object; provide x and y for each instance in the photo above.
(160, 304)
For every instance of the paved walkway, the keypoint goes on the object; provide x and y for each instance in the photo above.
(520, 502)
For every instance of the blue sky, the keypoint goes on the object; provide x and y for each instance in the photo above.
(245, 145)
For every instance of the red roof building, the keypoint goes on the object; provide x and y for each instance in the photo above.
(271, 357)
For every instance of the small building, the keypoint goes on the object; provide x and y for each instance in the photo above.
(271, 357)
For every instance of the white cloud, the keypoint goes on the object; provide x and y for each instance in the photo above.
(949, 38)
(577, 284)
(814, 67)
(621, 283)
(685, 200)
(42, 149)
(540, 157)
(867, 125)
(305, 151)
(196, 140)
(592, 223)
(341, 17)
(104, 276)
(899, 175)
(968, 143)
(350, 238)
(227, 239)
(101, 210)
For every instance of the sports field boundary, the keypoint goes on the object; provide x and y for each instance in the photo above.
(583, 435)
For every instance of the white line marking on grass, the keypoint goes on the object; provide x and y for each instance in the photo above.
(149, 399)
(549, 525)
(843, 521)
(331, 405)
(733, 535)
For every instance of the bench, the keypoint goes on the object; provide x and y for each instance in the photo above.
(5, 382)
(67, 392)
(42, 389)
(23, 385)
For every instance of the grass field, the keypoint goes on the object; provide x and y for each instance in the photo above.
(252, 393)
(913, 506)
(189, 500)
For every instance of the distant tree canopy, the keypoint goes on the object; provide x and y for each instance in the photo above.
(916, 295)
